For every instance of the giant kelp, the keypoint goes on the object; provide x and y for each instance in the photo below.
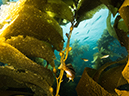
(28, 23)
(31, 32)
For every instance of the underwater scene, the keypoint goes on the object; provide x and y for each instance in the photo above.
(64, 47)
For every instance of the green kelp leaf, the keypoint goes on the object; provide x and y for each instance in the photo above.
(122, 26)
(86, 9)
(42, 27)
(88, 87)
(108, 81)
(11, 56)
(33, 47)
(110, 28)
(58, 9)
(27, 77)
(124, 13)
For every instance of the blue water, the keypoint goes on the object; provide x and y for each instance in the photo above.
(87, 33)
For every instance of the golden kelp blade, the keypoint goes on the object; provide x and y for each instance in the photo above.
(125, 72)
(32, 22)
(33, 47)
(122, 92)
(88, 87)
(27, 77)
(11, 56)
(108, 81)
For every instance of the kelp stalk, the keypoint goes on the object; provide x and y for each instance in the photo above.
(62, 60)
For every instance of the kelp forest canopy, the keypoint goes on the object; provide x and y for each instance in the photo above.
(31, 30)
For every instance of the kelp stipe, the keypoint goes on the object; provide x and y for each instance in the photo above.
(62, 60)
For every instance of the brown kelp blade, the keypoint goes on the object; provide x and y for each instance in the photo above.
(11, 56)
(88, 87)
(33, 47)
(26, 77)
(10, 93)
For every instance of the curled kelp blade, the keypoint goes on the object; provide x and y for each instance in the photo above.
(30, 21)
(11, 56)
(113, 5)
(88, 87)
(108, 81)
(27, 77)
(86, 9)
(33, 47)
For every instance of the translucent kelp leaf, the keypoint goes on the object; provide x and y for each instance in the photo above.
(124, 13)
(33, 47)
(11, 56)
(110, 28)
(113, 5)
(27, 77)
(88, 87)
(86, 9)
(58, 9)
(30, 22)
(10, 11)
(122, 26)
(108, 81)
